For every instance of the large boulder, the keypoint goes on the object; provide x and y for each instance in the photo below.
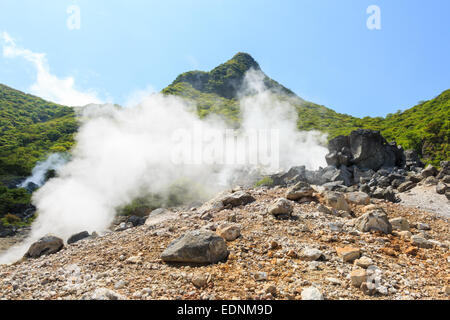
(45, 246)
(197, 247)
(376, 220)
(367, 149)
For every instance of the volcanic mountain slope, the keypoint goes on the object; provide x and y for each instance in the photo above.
(425, 127)
(31, 128)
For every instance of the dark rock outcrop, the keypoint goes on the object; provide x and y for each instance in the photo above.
(366, 149)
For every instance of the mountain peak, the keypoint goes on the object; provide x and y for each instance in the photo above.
(226, 79)
(246, 60)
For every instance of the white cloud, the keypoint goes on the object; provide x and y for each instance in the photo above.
(47, 85)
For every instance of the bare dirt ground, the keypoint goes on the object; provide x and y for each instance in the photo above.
(264, 262)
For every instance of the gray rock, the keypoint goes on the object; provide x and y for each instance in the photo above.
(441, 188)
(78, 237)
(45, 246)
(343, 174)
(423, 226)
(386, 194)
(405, 186)
(421, 242)
(299, 191)
(310, 254)
(431, 181)
(376, 220)
(198, 247)
(412, 158)
(238, 198)
(359, 198)
(281, 207)
(429, 170)
(336, 200)
(400, 223)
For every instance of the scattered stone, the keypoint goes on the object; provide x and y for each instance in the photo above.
(431, 181)
(299, 191)
(136, 220)
(78, 237)
(363, 262)
(421, 242)
(441, 188)
(311, 293)
(134, 260)
(310, 254)
(271, 289)
(357, 277)
(412, 251)
(374, 221)
(400, 223)
(405, 234)
(447, 290)
(238, 198)
(423, 226)
(336, 200)
(348, 254)
(120, 284)
(45, 246)
(200, 246)
(229, 232)
(261, 276)
(358, 198)
(429, 170)
(333, 281)
(323, 209)
(368, 288)
(405, 186)
(281, 208)
(200, 280)
(105, 294)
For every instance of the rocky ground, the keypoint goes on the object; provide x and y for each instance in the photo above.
(373, 224)
(306, 248)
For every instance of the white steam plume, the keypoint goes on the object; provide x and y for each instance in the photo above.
(123, 153)
(53, 162)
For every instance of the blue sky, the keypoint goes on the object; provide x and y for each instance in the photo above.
(320, 49)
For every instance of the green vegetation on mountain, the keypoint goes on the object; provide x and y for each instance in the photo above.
(30, 128)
